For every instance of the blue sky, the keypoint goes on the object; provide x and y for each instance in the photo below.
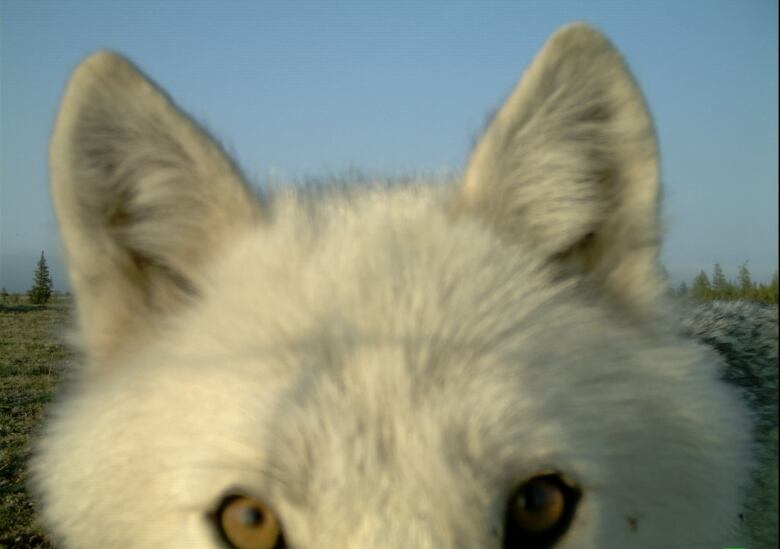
(297, 89)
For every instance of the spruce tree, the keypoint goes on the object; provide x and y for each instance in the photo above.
(721, 287)
(701, 289)
(747, 289)
(41, 290)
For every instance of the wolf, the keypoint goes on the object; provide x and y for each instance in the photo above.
(494, 362)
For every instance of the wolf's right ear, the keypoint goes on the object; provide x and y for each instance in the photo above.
(144, 198)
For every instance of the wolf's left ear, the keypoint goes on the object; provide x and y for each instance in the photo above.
(569, 167)
(145, 201)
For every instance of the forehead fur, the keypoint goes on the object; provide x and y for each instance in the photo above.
(406, 332)
(389, 262)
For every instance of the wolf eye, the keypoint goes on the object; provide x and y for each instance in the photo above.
(539, 512)
(247, 523)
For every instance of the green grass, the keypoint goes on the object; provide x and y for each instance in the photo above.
(32, 361)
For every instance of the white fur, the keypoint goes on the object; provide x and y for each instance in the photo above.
(382, 365)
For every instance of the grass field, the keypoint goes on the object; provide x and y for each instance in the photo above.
(32, 361)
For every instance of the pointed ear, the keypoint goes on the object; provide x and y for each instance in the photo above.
(144, 198)
(569, 167)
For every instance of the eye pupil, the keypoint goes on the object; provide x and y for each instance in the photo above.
(535, 498)
(252, 516)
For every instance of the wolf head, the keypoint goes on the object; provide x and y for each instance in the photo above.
(485, 364)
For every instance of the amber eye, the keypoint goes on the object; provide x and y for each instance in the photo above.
(247, 523)
(539, 512)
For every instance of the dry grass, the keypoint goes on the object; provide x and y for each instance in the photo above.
(32, 361)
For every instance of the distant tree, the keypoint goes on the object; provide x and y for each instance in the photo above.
(3, 295)
(772, 294)
(701, 289)
(746, 288)
(42, 287)
(722, 288)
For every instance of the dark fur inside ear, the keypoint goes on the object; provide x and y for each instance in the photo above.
(145, 199)
(569, 167)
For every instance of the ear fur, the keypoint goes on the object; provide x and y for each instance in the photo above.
(569, 166)
(144, 200)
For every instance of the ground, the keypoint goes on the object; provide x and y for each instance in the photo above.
(33, 359)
